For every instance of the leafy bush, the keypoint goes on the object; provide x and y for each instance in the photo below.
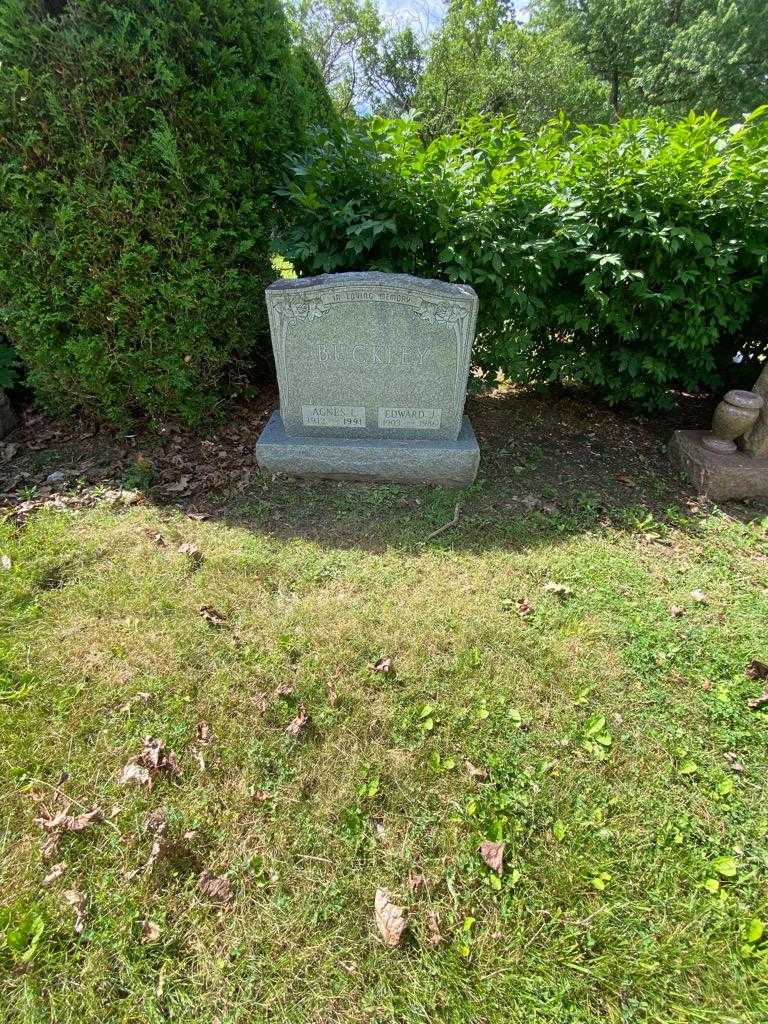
(142, 142)
(630, 257)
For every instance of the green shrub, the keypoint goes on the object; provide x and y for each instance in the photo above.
(142, 141)
(630, 257)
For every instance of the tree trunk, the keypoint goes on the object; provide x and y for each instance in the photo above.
(615, 92)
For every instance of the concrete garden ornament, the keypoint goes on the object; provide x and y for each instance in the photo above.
(731, 459)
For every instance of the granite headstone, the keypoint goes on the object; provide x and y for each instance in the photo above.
(372, 370)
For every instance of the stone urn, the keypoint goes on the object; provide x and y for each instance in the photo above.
(735, 415)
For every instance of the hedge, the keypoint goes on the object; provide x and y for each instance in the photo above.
(141, 144)
(631, 257)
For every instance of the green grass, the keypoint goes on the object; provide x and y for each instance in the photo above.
(604, 721)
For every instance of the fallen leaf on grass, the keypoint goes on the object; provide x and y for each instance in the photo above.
(141, 697)
(284, 690)
(416, 881)
(150, 932)
(193, 553)
(135, 773)
(212, 616)
(259, 699)
(217, 888)
(55, 873)
(5, 563)
(204, 734)
(733, 762)
(475, 773)
(157, 825)
(559, 589)
(154, 758)
(758, 703)
(493, 855)
(391, 920)
(295, 726)
(64, 822)
(524, 607)
(261, 796)
(76, 900)
(676, 611)
(757, 670)
(384, 665)
(434, 935)
(699, 597)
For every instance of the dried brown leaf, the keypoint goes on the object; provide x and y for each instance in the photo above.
(55, 873)
(217, 888)
(259, 699)
(391, 920)
(434, 935)
(476, 773)
(284, 690)
(559, 589)
(757, 670)
(50, 846)
(733, 762)
(384, 664)
(137, 773)
(150, 932)
(758, 703)
(524, 607)
(676, 611)
(493, 855)
(64, 822)
(193, 553)
(416, 882)
(179, 487)
(153, 759)
(204, 733)
(75, 899)
(296, 724)
(212, 616)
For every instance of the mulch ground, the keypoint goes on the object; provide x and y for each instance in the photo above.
(540, 450)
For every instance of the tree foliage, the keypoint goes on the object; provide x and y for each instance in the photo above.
(669, 55)
(482, 62)
(142, 142)
(630, 257)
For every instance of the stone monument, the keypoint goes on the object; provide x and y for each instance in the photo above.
(731, 460)
(372, 370)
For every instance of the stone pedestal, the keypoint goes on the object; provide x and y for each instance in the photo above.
(756, 441)
(719, 476)
(444, 462)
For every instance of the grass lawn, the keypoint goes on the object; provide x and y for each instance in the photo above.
(625, 770)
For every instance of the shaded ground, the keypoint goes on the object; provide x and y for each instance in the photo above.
(540, 452)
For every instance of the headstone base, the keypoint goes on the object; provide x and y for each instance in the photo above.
(449, 463)
(719, 475)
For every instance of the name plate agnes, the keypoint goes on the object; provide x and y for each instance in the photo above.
(333, 415)
(411, 419)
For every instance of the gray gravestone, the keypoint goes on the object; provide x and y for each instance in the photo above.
(372, 370)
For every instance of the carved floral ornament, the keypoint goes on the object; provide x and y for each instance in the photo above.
(304, 310)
